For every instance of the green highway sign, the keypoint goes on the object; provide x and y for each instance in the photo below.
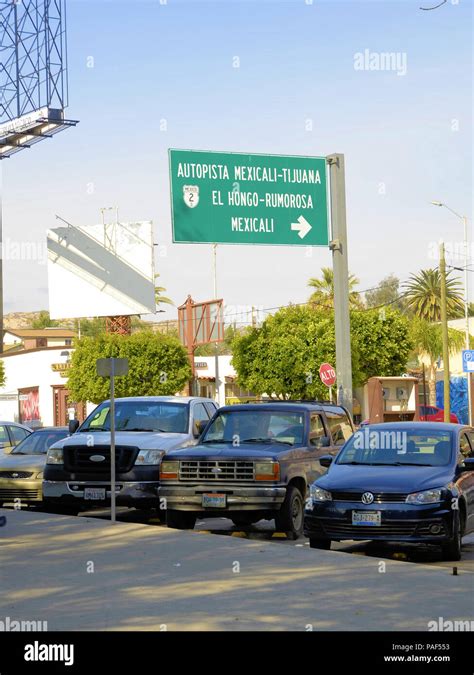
(236, 198)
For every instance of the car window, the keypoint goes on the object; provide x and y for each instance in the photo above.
(395, 446)
(316, 430)
(200, 413)
(158, 416)
(4, 437)
(39, 442)
(340, 427)
(284, 428)
(210, 407)
(465, 447)
(18, 434)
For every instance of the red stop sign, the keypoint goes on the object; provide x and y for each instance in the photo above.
(327, 374)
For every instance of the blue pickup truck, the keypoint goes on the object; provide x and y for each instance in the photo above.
(253, 461)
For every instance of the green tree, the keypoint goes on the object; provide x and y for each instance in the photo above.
(324, 290)
(427, 339)
(283, 356)
(423, 295)
(2, 373)
(90, 327)
(158, 365)
(44, 321)
(387, 293)
(384, 341)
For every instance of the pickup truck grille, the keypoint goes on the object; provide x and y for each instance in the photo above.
(216, 470)
(77, 459)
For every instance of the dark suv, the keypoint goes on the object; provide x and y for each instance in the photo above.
(253, 461)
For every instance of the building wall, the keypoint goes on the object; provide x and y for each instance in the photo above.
(31, 369)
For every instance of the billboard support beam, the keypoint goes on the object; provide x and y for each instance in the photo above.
(338, 246)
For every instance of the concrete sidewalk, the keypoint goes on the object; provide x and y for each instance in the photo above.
(85, 574)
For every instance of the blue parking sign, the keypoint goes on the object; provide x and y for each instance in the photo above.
(468, 360)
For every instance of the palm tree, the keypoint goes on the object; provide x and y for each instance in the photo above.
(161, 299)
(324, 290)
(423, 295)
(428, 341)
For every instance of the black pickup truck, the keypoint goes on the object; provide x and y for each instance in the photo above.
(253, 461)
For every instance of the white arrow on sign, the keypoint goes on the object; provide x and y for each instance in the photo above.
(302, 227)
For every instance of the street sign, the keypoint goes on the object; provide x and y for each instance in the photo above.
(468, 360)
(237, 198)
(327, 374)
(115, 367)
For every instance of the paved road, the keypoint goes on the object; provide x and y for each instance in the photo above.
(86, 574)
(265, 531)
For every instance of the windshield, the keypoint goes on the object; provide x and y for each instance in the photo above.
(397, 447)
(140, 416)
(39, 442)
(256, 426)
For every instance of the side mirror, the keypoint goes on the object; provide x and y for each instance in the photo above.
(326, 461)
(467, 465)
(73, 426)
(198, 428)
(8, 449)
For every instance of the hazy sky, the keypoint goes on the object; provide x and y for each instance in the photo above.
(163, 76)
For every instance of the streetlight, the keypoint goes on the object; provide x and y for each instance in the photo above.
(466, 293)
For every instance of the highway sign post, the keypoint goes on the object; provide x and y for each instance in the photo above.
(112, 368)
(236, 198)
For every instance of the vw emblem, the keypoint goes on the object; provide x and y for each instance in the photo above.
(97, 458)
(367, 498)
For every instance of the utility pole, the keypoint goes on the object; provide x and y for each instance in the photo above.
(338, 246)
(216, 346)
(444, 328)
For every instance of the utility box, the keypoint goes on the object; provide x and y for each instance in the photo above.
(391, 399)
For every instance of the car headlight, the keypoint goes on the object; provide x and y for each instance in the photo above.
(55, 456)
(425, 497)
(267, 471)
(39, 475)
(317, 494)
(148, 457)
(169, 470)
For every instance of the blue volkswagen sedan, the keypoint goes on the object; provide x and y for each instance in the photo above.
(406, 482)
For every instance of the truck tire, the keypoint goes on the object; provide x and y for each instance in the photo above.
(180, 520)
(452, 549)
(289, 518)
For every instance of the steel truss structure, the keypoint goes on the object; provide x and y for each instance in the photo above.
(33, 72)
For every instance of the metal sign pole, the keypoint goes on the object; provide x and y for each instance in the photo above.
(112, 441)
(338, 247)
(216, 355)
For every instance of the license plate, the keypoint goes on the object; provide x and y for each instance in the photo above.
(367, 518)
(215, 501)
(94, 493)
